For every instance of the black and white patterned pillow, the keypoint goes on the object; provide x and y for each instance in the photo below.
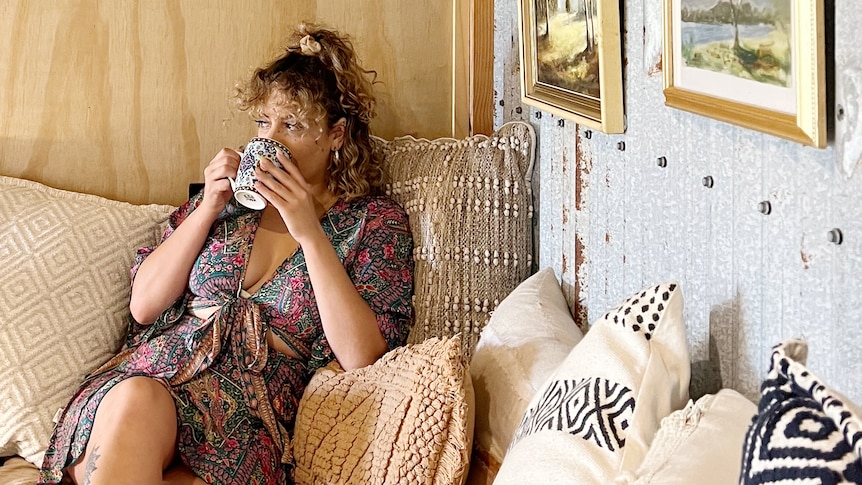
(597, 413)
(804, 432)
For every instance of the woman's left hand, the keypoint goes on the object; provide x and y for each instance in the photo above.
(287, 190)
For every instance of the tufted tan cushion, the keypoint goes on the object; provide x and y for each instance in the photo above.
(64, 305)
(403, 419)
(470, 208)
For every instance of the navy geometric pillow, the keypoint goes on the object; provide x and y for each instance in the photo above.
(803, 432)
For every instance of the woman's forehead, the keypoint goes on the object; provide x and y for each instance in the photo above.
(285, 106)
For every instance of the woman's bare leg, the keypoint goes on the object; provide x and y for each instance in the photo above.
(179, 474)
(134, 436)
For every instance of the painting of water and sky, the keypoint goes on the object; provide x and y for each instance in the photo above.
(746, 39)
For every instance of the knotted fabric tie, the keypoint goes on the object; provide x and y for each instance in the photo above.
(236, 325)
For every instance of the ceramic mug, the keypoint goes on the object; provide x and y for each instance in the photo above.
(243, 186)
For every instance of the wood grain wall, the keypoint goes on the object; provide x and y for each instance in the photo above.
(130, 99)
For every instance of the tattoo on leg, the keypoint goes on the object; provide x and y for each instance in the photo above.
(91, 465)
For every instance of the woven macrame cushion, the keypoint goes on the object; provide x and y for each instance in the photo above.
(804, 431)
(470, 208)
(65, 297)
(595, 416)
(403, 419)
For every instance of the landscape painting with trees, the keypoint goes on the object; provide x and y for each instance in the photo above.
(567, 53)
(749, 39)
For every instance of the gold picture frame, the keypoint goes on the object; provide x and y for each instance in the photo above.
(768, 76)
(571, 61)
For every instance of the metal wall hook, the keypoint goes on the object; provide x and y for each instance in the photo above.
(661, 162)
(765, 207)
(707, 181)
(835, 236)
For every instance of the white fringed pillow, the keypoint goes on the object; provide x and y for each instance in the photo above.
(64, 308)
(596, 415)
(701, 443)
(530, 334)
(404, 419)
(470, 208)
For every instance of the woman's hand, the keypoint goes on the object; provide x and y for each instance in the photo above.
(287, 190)
(217, 189)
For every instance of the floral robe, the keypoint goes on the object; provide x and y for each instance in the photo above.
(236, 398)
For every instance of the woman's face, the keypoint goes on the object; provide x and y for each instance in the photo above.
(309, 141)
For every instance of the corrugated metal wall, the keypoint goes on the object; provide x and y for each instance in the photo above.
(611, 221)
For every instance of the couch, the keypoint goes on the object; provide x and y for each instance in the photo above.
(498, 384)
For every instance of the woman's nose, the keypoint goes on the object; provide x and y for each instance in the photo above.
(268, 132)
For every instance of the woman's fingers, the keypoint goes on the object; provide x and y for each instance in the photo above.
(217, 189)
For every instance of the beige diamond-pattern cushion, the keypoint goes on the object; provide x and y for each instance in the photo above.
(65, 260)
(470, 208)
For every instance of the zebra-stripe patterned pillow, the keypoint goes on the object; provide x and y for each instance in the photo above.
(804, 432)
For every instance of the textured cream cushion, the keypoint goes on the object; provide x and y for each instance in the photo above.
(701, 443)
(596, 415)
(64, 307)
(470, 208)
(403, 419)
(530, 334)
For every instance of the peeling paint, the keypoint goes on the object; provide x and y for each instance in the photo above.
(655, 68)
(565, 160)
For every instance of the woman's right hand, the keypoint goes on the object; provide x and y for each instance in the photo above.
(217, 189)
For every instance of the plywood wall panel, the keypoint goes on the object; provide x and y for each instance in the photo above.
(129, 100)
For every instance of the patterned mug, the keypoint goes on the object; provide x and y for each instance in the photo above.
(243, 187)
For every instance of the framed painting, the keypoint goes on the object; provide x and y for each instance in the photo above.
(571, 60)
(754, 63)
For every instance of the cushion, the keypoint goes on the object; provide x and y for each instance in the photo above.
(804, 431)
(17, 471)
(64, 309)
(470, 207)
(596, 415)
(403, 419)
(701, 443)
(530, 333)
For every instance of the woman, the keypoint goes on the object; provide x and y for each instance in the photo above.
(235, 308)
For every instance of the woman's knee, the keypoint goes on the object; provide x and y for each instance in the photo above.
(140, 398)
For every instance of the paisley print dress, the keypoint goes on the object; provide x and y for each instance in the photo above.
(236, 398)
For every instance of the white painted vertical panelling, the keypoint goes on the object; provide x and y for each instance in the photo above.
(749, 280)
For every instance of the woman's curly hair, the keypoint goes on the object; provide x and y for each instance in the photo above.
(326, 82)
